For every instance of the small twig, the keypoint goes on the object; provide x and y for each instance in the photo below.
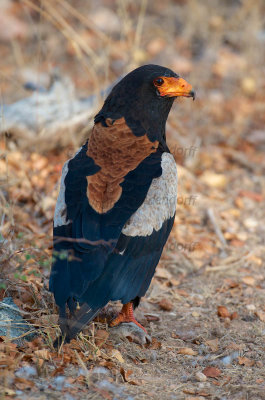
(140, 25)
(10, 339)
(21, 251)
(241, 159)
(219, 268)
(4, 305)
(230, 262)
(86, 20)
(217, 230)
(109, 243)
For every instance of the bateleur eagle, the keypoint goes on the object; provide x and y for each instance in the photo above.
(117, 202)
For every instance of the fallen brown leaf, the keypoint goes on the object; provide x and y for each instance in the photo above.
(200, 377)
(203, 394)
(182, 292)
(116, 354)
(216, 383)
(213, 344)
(166, 305)
(237, 243)
(214, 180)
(6, 391)
(189, 391)
(103, 393)
(155, 345)
(249, 280)
(107, 364)
(261, 315)
(245, 361)
(127, 374)
(223, 312)
(152, 317)
(231, 284)
(187, 351)
(23, 384)
(197, 394)
(163, 273)
(252, 195)
(234, 315)
(211, 372)
(44, 354)
(58, 371)
(101, 337)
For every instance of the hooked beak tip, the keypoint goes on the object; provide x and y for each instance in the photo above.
(192, 94)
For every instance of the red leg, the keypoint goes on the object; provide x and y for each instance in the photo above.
(126, 315)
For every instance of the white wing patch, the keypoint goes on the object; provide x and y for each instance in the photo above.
(159, 204)
(60, 208)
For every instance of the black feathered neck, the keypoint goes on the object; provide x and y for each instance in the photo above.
(135, 98)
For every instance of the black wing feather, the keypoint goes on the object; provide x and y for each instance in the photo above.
(78, 263)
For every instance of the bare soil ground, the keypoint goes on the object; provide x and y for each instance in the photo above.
(205, 308)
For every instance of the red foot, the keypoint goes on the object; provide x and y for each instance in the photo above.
(126, 315)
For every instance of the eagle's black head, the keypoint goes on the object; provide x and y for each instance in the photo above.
(144, 98)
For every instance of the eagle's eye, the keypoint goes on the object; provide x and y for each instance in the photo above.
(158, 81)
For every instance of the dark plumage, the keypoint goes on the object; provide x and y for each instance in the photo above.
(117, 201)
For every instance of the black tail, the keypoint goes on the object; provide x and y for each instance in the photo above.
(71, 327)
(82, 317)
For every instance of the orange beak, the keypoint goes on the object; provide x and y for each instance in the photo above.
(174, 87)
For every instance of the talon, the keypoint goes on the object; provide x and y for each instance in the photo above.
(126, 315)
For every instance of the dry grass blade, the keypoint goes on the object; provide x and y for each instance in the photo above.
(83, 367)
(216, 227)
(140, 24)
(85, 20)
(52, 15)
(70, 33)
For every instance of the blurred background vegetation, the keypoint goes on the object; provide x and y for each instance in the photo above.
(85, 45)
